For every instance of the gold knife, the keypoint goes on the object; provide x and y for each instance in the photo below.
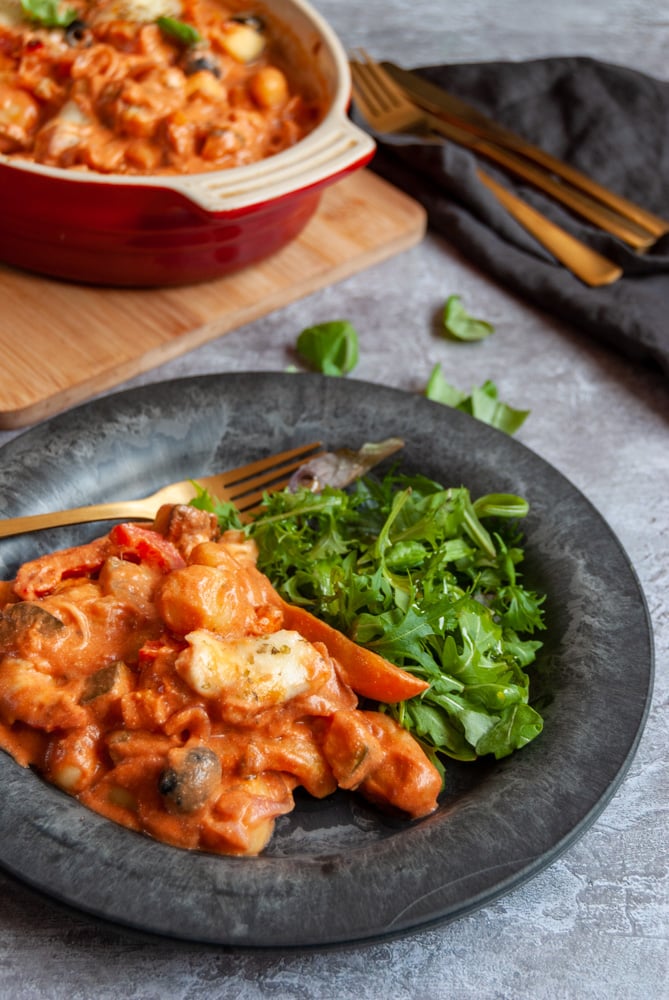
(582, 260)
(642, 228)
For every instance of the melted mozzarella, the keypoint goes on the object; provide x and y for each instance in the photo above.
(144, 11)
(254, 671)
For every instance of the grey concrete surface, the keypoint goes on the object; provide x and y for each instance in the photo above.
(595, 924)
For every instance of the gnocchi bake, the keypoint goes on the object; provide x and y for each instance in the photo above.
(148, 86)
(157, 676)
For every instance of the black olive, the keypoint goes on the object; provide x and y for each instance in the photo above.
(250, 20)
(198, 64)
(77, 33)
(168, 781)
(192, 776)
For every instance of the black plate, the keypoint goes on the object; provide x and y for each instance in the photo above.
(336, 870)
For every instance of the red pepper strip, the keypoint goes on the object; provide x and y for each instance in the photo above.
(363, 670)
(42, 575)
(146, 545)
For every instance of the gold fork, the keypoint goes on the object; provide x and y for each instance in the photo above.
(387, 109)
(439, 102)
(397, 113)
(244, 486)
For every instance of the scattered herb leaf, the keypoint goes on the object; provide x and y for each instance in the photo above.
(483, 402)
(48, 13)
(459, 324)
(441, 391)
(330, 348)
(184, 33)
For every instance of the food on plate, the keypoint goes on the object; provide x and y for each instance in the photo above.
(148, 86)
(157, 675)
(424, 575)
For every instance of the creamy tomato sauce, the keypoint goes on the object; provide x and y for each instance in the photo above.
(147, 86)
(157, 676)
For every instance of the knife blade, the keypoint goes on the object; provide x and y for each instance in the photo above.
(451, 109)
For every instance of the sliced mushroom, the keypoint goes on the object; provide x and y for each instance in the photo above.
(104, 681)
(192, 776)
(17, 619)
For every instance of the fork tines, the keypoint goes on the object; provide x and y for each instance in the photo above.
(375, 85)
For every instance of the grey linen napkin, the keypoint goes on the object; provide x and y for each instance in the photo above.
(608, 121)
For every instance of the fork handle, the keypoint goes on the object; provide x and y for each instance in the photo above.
(588, 265)
(76, 515)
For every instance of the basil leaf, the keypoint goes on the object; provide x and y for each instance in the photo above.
(485, 405)
(330, 348)
(459, 324)
(48, 13)
(184, 33)
(441, 391)
(483, 402)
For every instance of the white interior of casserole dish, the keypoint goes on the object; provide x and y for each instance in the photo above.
(334, 146)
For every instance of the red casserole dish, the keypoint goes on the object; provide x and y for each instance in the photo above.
(142, 231)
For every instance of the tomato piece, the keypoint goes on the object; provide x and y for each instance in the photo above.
(369, 674)
(147, 546)
(152, 649)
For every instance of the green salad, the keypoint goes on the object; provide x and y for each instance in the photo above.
(427, 577)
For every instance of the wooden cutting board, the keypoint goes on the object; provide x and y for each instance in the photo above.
(62, 343)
